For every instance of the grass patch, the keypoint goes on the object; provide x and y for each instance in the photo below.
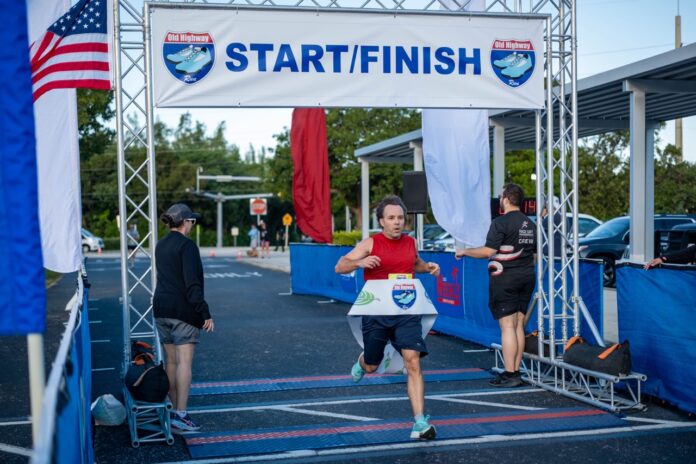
(52, 278)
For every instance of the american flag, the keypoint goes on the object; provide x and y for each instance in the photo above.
(74, 51)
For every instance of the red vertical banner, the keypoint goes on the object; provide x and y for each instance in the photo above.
(310, 178)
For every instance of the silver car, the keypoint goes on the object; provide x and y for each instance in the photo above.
(91, 242)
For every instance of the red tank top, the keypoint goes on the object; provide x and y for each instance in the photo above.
(397, 256)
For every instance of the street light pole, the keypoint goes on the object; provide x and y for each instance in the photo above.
(219, 219)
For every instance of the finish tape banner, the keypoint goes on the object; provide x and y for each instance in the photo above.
(243, 57)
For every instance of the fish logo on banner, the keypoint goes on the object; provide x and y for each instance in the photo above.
(404, 295)
(513, 61)
(189, 56)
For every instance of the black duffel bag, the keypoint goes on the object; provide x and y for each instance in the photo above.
(531, 344)
(612, 360)
(147, 381)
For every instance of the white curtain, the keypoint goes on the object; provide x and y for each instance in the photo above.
(456, 153)
(58, 158)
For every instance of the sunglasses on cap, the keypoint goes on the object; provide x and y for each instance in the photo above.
(192, 220)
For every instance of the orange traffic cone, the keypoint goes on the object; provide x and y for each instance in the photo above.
(99, 251)
(239, 255)
(212, 253)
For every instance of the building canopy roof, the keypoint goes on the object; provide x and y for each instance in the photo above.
(669, 80)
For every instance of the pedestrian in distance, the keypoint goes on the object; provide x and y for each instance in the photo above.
(253, 240)
(392, 252)
(510, 246)
(179, 307)
(264, 237)
(133, 239)
(280, 239)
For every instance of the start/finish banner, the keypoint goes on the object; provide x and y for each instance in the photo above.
(211, 57)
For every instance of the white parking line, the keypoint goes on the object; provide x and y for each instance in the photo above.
(15, 450)
(362, 400)
(476, 351)
(101, 341)
(103, 369)
(324, 413)
(440, 443)
(486, 403)
(652, 421)
(95, 322)
(24, 422)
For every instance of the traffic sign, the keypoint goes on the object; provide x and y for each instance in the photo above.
(287, 220)
(258, 206)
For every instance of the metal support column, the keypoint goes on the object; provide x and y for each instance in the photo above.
(219, 221)
(365, 197)
(498, 158)
(642, 222)
(417, 147)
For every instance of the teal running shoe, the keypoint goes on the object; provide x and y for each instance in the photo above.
(195, 62)
(357, 372)
(182, 54)
(505, 62)
(422, 430)
(518, 67)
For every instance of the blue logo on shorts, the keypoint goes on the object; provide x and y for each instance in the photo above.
(404, 295)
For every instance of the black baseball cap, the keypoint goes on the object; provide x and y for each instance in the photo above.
(180, 212)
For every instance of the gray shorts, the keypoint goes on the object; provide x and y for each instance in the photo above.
(176, 332)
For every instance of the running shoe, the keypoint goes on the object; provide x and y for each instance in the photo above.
(195, 62)
(184, 424)
(357, 372)
(182, 54)
(505, 62)
(506, 380)
(517, 68)
(422, 430)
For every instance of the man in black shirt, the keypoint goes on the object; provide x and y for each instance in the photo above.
(510, 246)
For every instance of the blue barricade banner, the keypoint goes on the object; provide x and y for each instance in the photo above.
(74, 416)
(657, 316)
(312, 272)
(459, 293)
(22, 284)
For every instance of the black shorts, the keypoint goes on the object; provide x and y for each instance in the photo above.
(404, 333)
(510, 292)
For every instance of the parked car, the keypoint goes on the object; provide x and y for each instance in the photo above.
(586, 223)
(608, 241)
(91, 242)
(667, 241)
(429, 244)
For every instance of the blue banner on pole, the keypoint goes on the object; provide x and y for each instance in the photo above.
(22, 285)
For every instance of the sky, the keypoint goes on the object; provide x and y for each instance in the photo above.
(611, 33)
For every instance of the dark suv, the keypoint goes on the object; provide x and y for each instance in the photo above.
(608, 241)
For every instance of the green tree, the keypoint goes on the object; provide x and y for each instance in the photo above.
(94, 111)
(674, 182)
(603, 178)
(349, 129)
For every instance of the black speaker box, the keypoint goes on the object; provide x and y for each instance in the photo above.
(415, 193)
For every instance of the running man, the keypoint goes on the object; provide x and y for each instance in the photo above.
(510, 246)
(391, 252)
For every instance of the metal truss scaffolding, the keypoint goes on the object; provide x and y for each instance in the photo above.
(556, 159)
